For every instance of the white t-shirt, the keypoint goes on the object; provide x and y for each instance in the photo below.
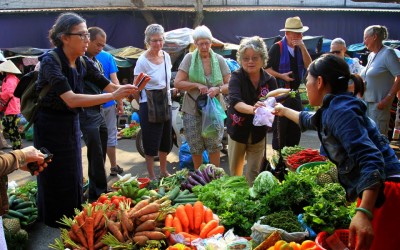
(157, 74)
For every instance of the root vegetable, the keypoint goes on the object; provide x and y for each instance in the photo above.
(198, 210)
(152, 235)
(140, 240)
(207, 228)
(189, 213)
(148, 225)
(182, 216)
(150, 208)
(152, 216)
(115, 230)
(216, 230)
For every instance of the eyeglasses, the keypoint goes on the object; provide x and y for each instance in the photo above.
(203, 44)
(336, 52)
(254, 59)
(82, 36)
(157, 40)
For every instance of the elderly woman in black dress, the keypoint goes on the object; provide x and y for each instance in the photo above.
(56, 125)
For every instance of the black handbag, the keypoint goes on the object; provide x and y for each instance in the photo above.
(157, 102)
(265, 164)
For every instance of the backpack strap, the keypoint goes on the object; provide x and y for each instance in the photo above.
(46, 88)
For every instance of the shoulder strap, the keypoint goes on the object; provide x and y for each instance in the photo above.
(46, 88)
(280, 46)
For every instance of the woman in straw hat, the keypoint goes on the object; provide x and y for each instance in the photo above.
(13, 109)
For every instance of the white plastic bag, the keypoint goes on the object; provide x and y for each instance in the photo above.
(260, 232)
(263, 115)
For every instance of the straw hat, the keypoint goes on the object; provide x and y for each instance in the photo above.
(9, 66)
(294, 24)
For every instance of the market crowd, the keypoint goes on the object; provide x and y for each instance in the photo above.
(85, 97)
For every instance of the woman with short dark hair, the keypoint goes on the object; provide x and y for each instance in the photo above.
(56, 125)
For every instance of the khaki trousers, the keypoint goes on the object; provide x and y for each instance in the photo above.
(252, 153)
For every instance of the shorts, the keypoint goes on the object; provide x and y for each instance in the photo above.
(110, 115)
(197, 143)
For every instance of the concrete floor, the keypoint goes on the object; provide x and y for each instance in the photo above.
(40, 235)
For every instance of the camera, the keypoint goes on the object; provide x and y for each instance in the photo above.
(34, 166)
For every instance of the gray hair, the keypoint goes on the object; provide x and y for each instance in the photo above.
(151, 30)
(202, 32)
(380, 31)
(339, 41)
(63, 25)
(255, 43)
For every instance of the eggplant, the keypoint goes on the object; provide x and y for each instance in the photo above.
(192, 181)
(209, 172)
(198, 178)
(187, 185)
(205, 175)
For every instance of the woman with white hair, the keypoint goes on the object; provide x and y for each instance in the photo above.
(202, 72)
(381, 76)
(157, 135)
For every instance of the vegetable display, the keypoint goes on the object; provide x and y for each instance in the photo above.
(22, 204)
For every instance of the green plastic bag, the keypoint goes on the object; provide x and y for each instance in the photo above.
(213, 116)
(29, 133)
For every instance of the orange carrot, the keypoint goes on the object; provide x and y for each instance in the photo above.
(79, 233)
(140, 240)
(216, 230)
(202, 225)
(208, 215)
(97, 215)
(126, 221)
(80, 220)
(73, 236)
(115, 230)
(189, 213)
(148, 209)
(152, 216)
(168, 223)
(181, 214)
(138, 78)
(207, 228)
(198, 210)
(177, 225)
(89, 232)
(152, 235)
(138, 206)
(189, 235)
(148, 225)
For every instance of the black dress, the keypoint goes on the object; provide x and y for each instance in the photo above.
(57, 129)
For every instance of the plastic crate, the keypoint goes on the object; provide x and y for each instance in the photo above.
(342, 234)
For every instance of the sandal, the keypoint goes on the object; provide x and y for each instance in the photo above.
(116, 170)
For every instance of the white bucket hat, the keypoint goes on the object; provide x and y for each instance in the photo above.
(9, 66)
(294, 24)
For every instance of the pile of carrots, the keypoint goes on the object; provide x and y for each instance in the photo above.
(86, 229)
(103, 225)
(193, 222)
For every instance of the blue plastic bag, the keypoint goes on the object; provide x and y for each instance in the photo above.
(185, 157)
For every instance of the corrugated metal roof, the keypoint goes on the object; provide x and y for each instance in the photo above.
(206, 9)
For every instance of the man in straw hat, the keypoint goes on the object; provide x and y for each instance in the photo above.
(13, 109)
(288, 61)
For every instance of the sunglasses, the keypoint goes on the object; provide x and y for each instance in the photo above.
(336, 52)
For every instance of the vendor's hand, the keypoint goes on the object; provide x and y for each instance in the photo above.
(213, 91)
(361, 228)
(203, 89)
(287, 76)
(279, 110)
(257, 105)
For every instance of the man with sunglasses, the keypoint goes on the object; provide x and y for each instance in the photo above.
(338, 48)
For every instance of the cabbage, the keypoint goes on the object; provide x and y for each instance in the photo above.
(264, 182)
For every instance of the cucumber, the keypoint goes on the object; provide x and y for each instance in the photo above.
(27, 210)
(182, 193)
(187, 200)
(17, 201)
(17, 214)
(23, 205)
(161, 191)
(183, 203)
(11, 199)
(32, 218)
(173, 193)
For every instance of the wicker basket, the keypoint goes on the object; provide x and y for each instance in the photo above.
(342, 234)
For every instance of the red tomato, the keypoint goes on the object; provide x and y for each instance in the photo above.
(114, 197)
(115, 202)
(107, 202)
(95, 203)
(102, 198)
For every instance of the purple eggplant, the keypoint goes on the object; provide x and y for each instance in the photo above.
(188, 186)
(209, 172)
(198, 178)
(192, 181)
(205, 175)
